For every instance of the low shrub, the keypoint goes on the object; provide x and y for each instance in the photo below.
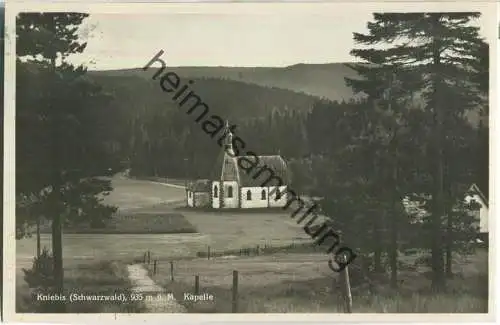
(41, 281)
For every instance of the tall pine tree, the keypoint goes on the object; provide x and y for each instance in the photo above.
(60, 142)
(435, 52)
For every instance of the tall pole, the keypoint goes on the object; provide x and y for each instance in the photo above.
(185, 180)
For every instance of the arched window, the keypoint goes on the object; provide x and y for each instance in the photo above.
(278, 193)
(230, 191)
(249, 195)
(216, 191)
(263, 194)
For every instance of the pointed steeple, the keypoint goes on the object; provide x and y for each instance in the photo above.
(228, 139)
(226, 165)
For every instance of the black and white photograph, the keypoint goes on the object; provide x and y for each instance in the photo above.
(321, 158)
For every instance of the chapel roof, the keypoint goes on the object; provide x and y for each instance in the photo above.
(249, 176)
(274, 165)
(227, 167)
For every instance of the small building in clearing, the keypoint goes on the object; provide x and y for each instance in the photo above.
(415, 208)
(475, 194)
(232, 186)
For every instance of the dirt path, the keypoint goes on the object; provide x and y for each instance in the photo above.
(142, 283)
(169, 185)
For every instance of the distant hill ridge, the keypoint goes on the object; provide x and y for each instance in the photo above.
(295, 86)
(320, 80)
(227, 98)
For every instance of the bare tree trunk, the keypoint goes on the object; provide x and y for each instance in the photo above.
(394, 247)
(38, 248)
(449, 246)
(56, 210)
(379, 218)
(438, 280)
(377, 254)
(394, 199)
(449, 235)
(57, 250)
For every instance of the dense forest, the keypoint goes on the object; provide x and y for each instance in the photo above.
(155, 138)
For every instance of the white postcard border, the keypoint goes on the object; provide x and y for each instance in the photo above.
(230, 8)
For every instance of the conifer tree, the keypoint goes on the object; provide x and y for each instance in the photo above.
(432, 54)
(61, 142)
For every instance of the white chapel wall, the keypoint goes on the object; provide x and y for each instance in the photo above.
(215, 200)
(231, 202)
(256, 201)
(189, 198)
(256, 194)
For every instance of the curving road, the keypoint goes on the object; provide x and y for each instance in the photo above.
(135, 194)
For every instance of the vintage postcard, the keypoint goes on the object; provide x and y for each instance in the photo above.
(249, 162)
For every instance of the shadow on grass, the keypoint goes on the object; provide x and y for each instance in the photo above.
(105, 278)
(136, 223)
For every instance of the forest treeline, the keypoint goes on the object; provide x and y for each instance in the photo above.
(155, 138)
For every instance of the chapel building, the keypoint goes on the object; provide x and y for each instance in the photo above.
(232, 186)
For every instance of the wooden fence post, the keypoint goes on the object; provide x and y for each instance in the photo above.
(235, 292)
(154, 266)
(172, 271)
(347, 290)
(196, 284)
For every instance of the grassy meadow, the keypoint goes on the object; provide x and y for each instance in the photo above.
(149, 218)
(286, 276)
(296, 283)
(97, 278)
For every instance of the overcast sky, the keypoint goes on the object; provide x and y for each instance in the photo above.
(130, 40)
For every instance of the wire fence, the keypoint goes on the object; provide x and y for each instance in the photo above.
(256, 250)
